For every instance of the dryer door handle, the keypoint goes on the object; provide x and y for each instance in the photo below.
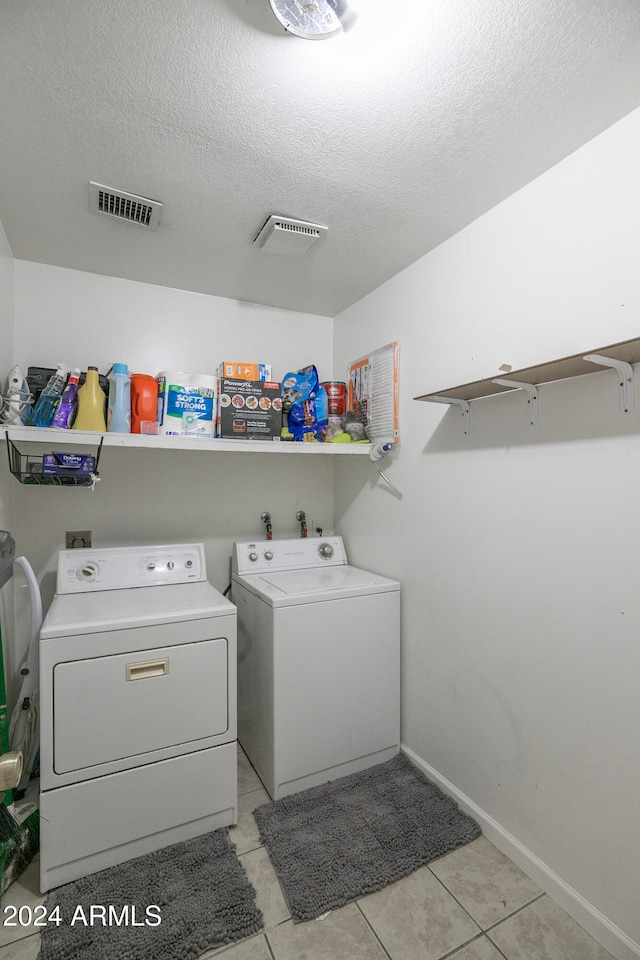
(146, 669)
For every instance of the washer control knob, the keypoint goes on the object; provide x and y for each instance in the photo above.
(151, 566)
(253, 557)
(268, 554)
(170, 564)
(189, 564)
(326, 551)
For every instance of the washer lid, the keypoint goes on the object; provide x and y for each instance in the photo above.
(74, 614)
(290, 587)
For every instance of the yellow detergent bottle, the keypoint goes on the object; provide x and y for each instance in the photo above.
(91, 403)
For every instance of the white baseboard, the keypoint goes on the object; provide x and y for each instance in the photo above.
(589, 917)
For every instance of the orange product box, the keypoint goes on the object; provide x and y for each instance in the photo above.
(234, 370)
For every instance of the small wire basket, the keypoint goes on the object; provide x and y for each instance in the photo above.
(28, 469)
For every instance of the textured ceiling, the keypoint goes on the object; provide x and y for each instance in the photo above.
(395, 135)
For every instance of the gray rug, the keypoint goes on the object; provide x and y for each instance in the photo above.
(334, 843)
(173, 904)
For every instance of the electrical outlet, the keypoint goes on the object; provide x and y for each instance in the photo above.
(77, 538)
(318, 528)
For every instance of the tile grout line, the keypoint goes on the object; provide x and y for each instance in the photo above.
(15, 943)
(496, 947)
(515, 912)
(463, 946)
(491, 926)
(242, 853)
(366, 920)
(453, 896)
(269, 947)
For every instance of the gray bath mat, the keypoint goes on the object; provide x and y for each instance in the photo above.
(334, 843)
(172, 904)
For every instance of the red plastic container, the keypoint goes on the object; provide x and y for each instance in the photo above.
(144, 400)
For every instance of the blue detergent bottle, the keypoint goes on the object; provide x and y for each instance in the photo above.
(119, 406)
(49, 398)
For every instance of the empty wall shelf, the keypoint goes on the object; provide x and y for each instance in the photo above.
(620, 356)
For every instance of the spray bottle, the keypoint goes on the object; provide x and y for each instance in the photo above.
(48, 400)
(64, 414)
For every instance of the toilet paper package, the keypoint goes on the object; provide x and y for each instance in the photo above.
(186, 404)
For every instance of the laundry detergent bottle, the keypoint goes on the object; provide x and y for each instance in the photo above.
(91, 402)
(119, 412)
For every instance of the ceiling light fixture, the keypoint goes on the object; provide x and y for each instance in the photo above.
(314, 19)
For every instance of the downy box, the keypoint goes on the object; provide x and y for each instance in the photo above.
(68, 464)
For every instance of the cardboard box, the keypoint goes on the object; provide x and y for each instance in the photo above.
(249, 410)
(233, 370)
(68, 464)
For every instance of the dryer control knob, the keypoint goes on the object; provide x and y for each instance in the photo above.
(253, 557)
(88, 572)
(325, 550)
(268, 555)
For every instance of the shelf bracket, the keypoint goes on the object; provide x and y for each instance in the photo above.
(531, 392)
(464, 406)
(625, 377)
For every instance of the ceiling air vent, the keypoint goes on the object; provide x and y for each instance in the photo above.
(124, 206)
(288, 236)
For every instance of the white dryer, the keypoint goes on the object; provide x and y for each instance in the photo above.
(318, 662)
(138, 707)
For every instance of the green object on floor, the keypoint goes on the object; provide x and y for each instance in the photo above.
(19, 843)
(19, 838)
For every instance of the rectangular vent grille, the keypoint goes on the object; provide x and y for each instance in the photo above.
(295, 228)
(285, 235)
(124, 206)
(127, 209)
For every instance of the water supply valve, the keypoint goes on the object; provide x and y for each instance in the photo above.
(301, 517)
(266, 519)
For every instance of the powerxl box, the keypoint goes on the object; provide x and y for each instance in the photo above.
(249, 410)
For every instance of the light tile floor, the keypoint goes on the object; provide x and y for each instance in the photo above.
(473, 904)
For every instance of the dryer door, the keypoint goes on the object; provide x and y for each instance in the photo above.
(110, 708)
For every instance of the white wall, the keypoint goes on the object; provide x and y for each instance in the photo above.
(7, 611)
(6, 357)
(152, 496)
(518, 546)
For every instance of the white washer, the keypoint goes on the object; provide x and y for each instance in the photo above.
(318, 662)
(138, 708)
